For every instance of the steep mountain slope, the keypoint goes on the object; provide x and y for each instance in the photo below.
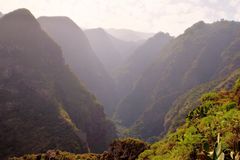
(104, 49)
(139, 61)
(125, 48)
(42, 104)
(191, 59)
(212, 127)
(129, 35)
(188, 101)
(191, 99)
(211, 131)
(81, 58)
(112, 51)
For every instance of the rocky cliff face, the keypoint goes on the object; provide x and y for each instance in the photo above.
(42, 103)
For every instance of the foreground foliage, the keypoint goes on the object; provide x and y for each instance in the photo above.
(211, 132)
(120, 149)
(196, 139)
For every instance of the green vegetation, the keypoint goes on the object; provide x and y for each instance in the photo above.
(120, 149)
(192, 99)
(211, 96)
(58, 155)
(43, 105)
(211, 132)
(237, 86)
(217, 115)
(204, 53)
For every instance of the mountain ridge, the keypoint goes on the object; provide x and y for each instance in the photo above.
(81, 58)
(129, 35)
(43, 104)
(104, 49)
(171, 76)
(139, 61)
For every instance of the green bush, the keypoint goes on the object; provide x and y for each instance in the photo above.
(228, 106)
(211, 96)
(218, 113)
(237, 85)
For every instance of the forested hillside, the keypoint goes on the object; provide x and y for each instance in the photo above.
(191, 99)
(198, 56)
(119, 94)
(133, 68)
(211, 131)
(43, 105)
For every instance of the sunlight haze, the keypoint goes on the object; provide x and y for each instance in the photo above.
(171, 16)
(119, 79)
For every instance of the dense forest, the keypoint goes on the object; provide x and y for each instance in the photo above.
(210, 131)
(68, 93)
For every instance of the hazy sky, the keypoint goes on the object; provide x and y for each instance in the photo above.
(172, 16)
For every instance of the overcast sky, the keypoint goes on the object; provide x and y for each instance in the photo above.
(172, 16)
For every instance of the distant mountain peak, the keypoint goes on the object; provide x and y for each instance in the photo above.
(197, 26)
(58, 20)
(55, 18)
(99, 31)
(129, 35)
(23, 14)
(20, 18)
(161, 35)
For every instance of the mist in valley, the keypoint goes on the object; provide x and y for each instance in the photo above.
(119, 80)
